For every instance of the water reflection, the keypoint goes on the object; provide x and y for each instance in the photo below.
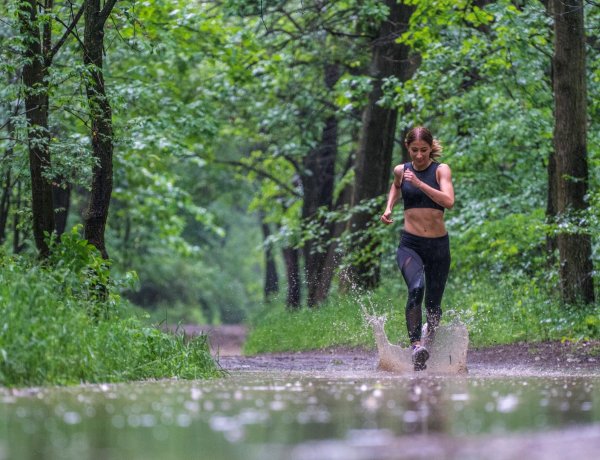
(248, 415)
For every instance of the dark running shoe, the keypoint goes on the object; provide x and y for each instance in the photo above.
(419, 356)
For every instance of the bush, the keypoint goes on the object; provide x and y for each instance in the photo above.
(496, 310)
(52, 332)
(515, 308)
(512, 243)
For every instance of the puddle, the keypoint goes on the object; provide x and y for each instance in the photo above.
(350, 415)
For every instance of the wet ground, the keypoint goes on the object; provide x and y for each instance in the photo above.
(528, 359)
(330, 413)
(524, 401)
(501, 372)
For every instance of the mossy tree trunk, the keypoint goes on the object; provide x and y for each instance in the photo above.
(101, 122)
(37, 39)
(570, 137)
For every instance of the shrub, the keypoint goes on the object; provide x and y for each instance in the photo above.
(496, 310)
(52, 332)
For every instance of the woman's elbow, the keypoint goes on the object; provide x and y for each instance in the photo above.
(449, 204)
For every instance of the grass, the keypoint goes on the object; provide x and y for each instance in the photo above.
(55, 330)
(498, 310)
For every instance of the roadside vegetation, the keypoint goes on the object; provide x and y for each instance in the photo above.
(504, 292)
(495, 311)
(57, 327)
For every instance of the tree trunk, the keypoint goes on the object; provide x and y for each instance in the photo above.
(334, 256)
(5, 205)
(570, 133)
(101, 122)
(551, 208)
(318, 180)
(7, 188)
(271, 285)
(374, 155)
(61, 196)
(35, 73)
(292, 267)
(17, 246)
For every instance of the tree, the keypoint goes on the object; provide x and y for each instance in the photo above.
(313, 48)
(37, 40)
(271, 284)
(374, 154)
(318, 183)
(570, 144)
(101, 123)
(39, 52)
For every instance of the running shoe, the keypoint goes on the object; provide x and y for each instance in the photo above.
(419, 356)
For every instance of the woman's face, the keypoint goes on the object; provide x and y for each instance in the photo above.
(419, 152)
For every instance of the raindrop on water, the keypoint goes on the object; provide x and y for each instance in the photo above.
(71, 418)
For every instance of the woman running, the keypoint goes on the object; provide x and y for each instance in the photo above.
(423, 255)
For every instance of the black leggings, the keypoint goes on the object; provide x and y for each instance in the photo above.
(424, 263)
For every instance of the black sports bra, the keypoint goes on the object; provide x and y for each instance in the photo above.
(414, 197)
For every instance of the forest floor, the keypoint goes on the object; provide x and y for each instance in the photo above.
(540, 358)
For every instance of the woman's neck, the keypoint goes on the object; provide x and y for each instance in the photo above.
(424, 168)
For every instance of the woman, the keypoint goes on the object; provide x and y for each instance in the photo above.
(423, 255)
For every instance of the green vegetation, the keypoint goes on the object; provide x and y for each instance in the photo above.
(500, 286)
(249, 152)
(496, 311)
(56, 331)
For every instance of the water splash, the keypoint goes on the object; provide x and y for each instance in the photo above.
(448, 352)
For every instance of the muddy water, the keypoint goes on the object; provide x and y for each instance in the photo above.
(308, 415)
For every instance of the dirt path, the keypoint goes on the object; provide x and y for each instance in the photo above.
(523, 358)
(225, 340)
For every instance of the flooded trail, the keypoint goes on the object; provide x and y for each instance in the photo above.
(302, 415)
(543, 359)
(537, 402)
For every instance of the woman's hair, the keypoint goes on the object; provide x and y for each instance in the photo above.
(423, 134)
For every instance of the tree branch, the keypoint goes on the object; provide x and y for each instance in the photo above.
(69, 31)
(260, 172)
(105, 13)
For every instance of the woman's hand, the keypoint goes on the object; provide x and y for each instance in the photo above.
(410, 177)
(386, 217)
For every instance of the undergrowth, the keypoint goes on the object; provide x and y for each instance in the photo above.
(62, 323)
(496, 310)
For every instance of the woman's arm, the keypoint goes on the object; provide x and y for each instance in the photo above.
(445, 195)
(393, 195)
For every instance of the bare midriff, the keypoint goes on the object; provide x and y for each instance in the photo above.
(425, 222)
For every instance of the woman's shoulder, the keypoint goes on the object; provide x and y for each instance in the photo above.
(443, 171)
(399, 169)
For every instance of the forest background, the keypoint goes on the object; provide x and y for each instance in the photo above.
(227, 161)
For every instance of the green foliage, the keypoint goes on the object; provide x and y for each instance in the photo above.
(78, 267)
(513, 308)
(215, 107)
(496, 310)
(338, 322)
(190, 288)
(52, 335)
(513, 243)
